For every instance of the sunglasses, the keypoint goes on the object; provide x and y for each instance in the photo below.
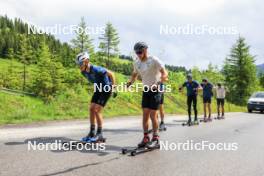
(139, 52)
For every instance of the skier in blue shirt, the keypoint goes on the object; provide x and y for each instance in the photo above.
(207, 98)
(192, 87)
(104, 82)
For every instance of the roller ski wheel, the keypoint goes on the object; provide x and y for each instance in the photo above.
(196, 122)
(188, 123)
(147, 148)
(209, 119)
(162, 127)
(124, 151)
(205, 120)
(133, 153)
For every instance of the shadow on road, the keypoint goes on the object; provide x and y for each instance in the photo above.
(79, 167)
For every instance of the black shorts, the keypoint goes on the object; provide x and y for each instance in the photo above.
(207, 100)
(101, 98)
(162, 98)
(220, 101)
(151, 100)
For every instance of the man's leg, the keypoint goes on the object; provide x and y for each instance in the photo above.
(92, 120)
(99, 101)
(161, 110)
(92, 124)
(99, 118)
(223, 108)
(209, 109)
(205, 113)
(195, 107)
(154, 119)
(189, 104)
(162, 125)
(146, 115)
(145, 124)
(218, 108)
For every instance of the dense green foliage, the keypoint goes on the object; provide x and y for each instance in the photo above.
(240, 73)
(16, 37)
(44, 68)
(83, 41)
(109, 42)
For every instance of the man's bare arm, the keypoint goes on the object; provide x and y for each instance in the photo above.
(164, 75)
(133, 78)
(112, 77)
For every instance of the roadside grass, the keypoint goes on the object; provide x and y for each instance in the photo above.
(25, 109)
(73, 104)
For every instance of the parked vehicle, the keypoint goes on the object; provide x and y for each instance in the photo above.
(256, 102)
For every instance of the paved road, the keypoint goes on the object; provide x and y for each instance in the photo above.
(241, 129)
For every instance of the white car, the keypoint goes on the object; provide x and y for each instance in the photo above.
(256, 102)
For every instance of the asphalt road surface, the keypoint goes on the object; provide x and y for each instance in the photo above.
(242, 130)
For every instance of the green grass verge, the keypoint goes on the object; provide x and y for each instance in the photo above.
(15, 108)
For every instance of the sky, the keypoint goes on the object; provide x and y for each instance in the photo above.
(164, 25)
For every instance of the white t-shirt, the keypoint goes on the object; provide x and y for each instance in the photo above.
(149, 70)
(220, 92)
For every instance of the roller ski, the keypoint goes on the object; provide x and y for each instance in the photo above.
(162, 127)
(190, 123)
(220, 117)
(89, 139)
(205, 120)
(145, 146)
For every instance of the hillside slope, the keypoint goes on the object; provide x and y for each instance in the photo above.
(73, 103)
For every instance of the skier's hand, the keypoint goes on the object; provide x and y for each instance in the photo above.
(128, 84)
(180, 89)
(114, 94)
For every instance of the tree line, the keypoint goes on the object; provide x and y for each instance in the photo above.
(56, 71)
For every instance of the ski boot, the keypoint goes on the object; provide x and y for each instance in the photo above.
(98, 138)
(196, 122)
(209, 119)
(162, 126)
(88, 137)
(144, 141)
(154, 142)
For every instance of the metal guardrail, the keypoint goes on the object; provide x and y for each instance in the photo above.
(16, 92)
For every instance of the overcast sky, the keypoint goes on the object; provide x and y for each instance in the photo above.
(142, 20)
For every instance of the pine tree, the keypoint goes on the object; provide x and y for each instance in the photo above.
(43, 81)
(109, 42)
(48, 80)
(10, 54)
(240, 72)
(82, 42)
(25, 56)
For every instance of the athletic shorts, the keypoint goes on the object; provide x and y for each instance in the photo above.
(220, 101)
(101, 98)
(151, 100)
(162, 98)
(207, 100)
